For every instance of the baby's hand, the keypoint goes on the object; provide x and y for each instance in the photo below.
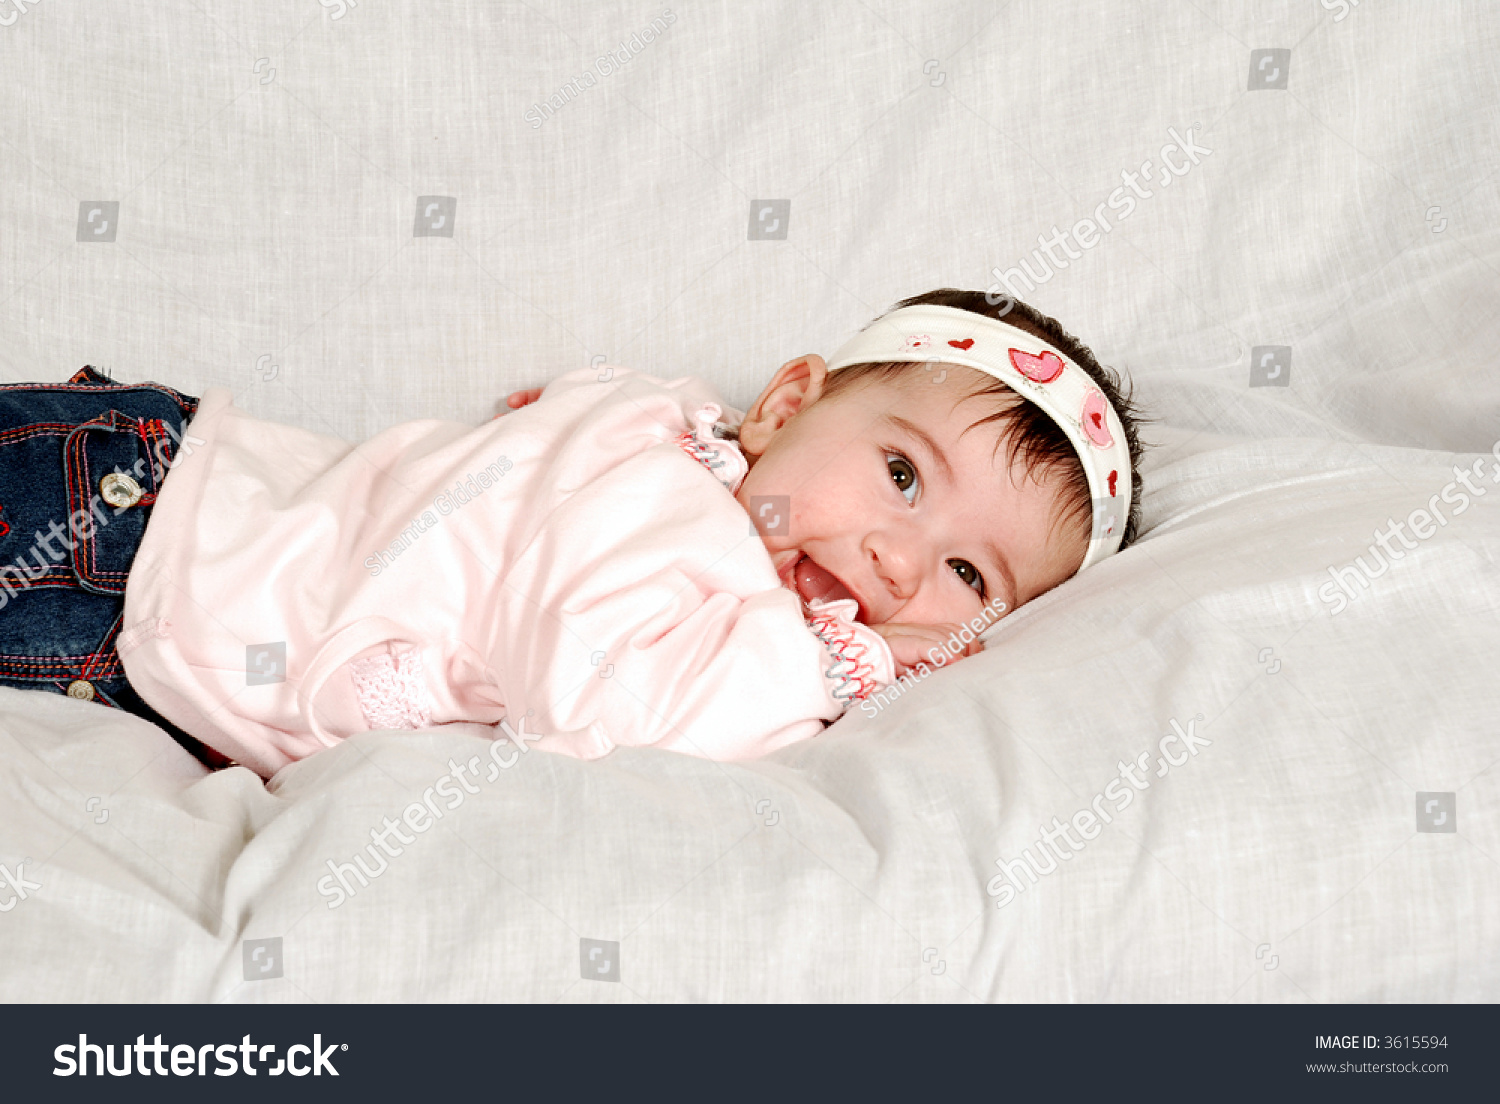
(911, 643)
(518, 399)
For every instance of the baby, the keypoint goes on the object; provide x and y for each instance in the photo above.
(622, 561)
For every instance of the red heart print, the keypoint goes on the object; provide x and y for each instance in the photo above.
(1039, 369)
(964, 344)
(1092, 419)
(1112, 477)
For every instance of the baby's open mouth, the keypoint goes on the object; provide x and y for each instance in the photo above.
(813, 581)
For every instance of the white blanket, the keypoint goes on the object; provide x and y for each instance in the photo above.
(1291, 844)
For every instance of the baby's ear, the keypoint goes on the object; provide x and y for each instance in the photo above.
(796, 385)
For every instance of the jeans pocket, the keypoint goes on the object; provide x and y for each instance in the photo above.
(113, 466)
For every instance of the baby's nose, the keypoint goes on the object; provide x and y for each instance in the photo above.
(895, 566)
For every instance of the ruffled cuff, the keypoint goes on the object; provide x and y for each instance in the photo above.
(721, 456)
(860, 662)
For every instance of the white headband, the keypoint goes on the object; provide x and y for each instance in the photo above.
(1034, 369)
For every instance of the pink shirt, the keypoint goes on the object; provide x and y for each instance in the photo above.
(582, 560)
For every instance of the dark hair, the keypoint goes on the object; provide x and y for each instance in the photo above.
(1040, 441)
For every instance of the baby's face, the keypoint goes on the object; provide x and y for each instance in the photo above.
(892, 503)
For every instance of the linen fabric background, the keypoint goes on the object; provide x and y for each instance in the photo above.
(755, 183)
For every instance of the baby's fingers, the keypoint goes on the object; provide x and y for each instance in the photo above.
(942, 644)
(952, 636)
(518, 399)
(934, 645)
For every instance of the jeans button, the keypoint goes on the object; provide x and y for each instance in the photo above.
(83, 691)
(119, 490)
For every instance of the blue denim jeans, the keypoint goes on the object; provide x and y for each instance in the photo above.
(80, 465)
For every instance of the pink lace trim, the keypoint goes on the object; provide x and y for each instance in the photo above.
(851, 672)
(392, 690)
(706, 455)
(722, 458)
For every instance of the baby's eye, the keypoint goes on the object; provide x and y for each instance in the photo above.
(903, 472)
(972, 577)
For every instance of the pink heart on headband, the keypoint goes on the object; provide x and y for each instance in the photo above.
(1094, 426)
(966, 343)
(1041, 369)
